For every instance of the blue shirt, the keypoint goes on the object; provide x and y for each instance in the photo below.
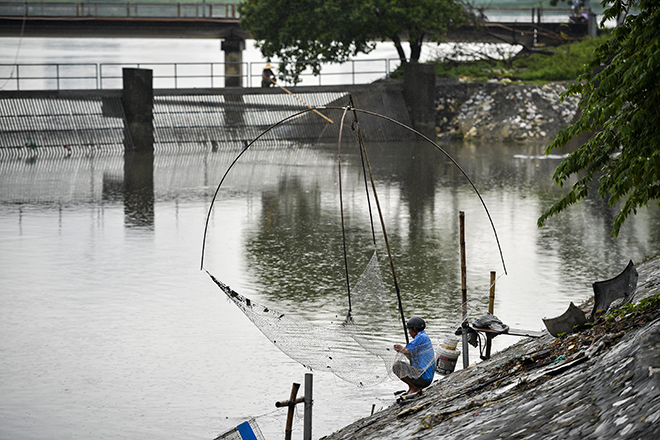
(422, 355)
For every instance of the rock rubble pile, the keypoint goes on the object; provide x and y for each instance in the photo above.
(501, 111)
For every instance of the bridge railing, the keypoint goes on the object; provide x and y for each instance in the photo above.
(119, 10)
(506, 14)
(52, 76)
(90, 76)
(211, 10)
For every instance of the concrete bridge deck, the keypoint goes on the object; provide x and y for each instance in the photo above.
(221, 21)
(120, 20)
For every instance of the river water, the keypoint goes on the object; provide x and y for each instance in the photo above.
(111, 330)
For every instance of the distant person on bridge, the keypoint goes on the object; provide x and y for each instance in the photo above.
(267, 76)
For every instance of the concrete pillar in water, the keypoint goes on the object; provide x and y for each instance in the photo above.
(138, 100)
(233, 47)
(419, 93)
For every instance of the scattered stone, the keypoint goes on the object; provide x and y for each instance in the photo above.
(502, 111)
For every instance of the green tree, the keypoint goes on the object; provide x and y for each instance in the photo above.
(315, 31)
(619, 109)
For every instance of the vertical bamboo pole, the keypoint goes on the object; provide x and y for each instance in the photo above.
(466, 358)
(491, 310)
(292, 406)
(463, 264)
(491, 297)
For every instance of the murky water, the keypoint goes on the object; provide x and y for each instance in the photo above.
(109, 328)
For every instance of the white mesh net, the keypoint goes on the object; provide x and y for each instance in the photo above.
(357, 346)
(352, 348)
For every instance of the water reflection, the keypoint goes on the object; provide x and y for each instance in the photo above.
(275, 237)
(294, 251)
(139, 189)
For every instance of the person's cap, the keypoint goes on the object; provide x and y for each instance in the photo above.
(416, 322)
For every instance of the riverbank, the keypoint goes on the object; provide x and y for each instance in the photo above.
(601, 382)
(501, 111)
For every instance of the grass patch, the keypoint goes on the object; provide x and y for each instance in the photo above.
(564, 64)
(643, 305)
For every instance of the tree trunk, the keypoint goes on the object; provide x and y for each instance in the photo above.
(416, 48)
(399, 49)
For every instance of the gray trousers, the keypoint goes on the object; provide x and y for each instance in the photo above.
(414, 374)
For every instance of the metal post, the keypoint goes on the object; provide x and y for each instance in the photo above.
(307, 426)
(353, 70)
(466, 359)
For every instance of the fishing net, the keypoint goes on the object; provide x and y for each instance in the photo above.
(356, 346)
(352, 348)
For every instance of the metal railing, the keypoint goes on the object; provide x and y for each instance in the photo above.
(511, 14)
(65, 9)
(197, 10)
(89, 76)
(57, 76)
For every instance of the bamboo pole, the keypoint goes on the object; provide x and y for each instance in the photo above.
(463, 264)
(303, 102)
(291, 403)
(491, 297)
(491, 310)
(464, 325)
(382, 222)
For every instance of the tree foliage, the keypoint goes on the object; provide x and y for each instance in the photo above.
(302, 33)
(620, 95)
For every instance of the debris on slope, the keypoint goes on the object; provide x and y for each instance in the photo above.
(601, 381)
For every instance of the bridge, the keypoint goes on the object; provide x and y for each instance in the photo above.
(114, 19)
(221, 20)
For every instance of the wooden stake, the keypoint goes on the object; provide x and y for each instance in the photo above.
(491, 298)
(291, 403)
(491, 310)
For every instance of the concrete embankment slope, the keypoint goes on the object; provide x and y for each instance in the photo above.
(601, 382)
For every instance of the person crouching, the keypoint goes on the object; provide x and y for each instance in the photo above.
(418, 373)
